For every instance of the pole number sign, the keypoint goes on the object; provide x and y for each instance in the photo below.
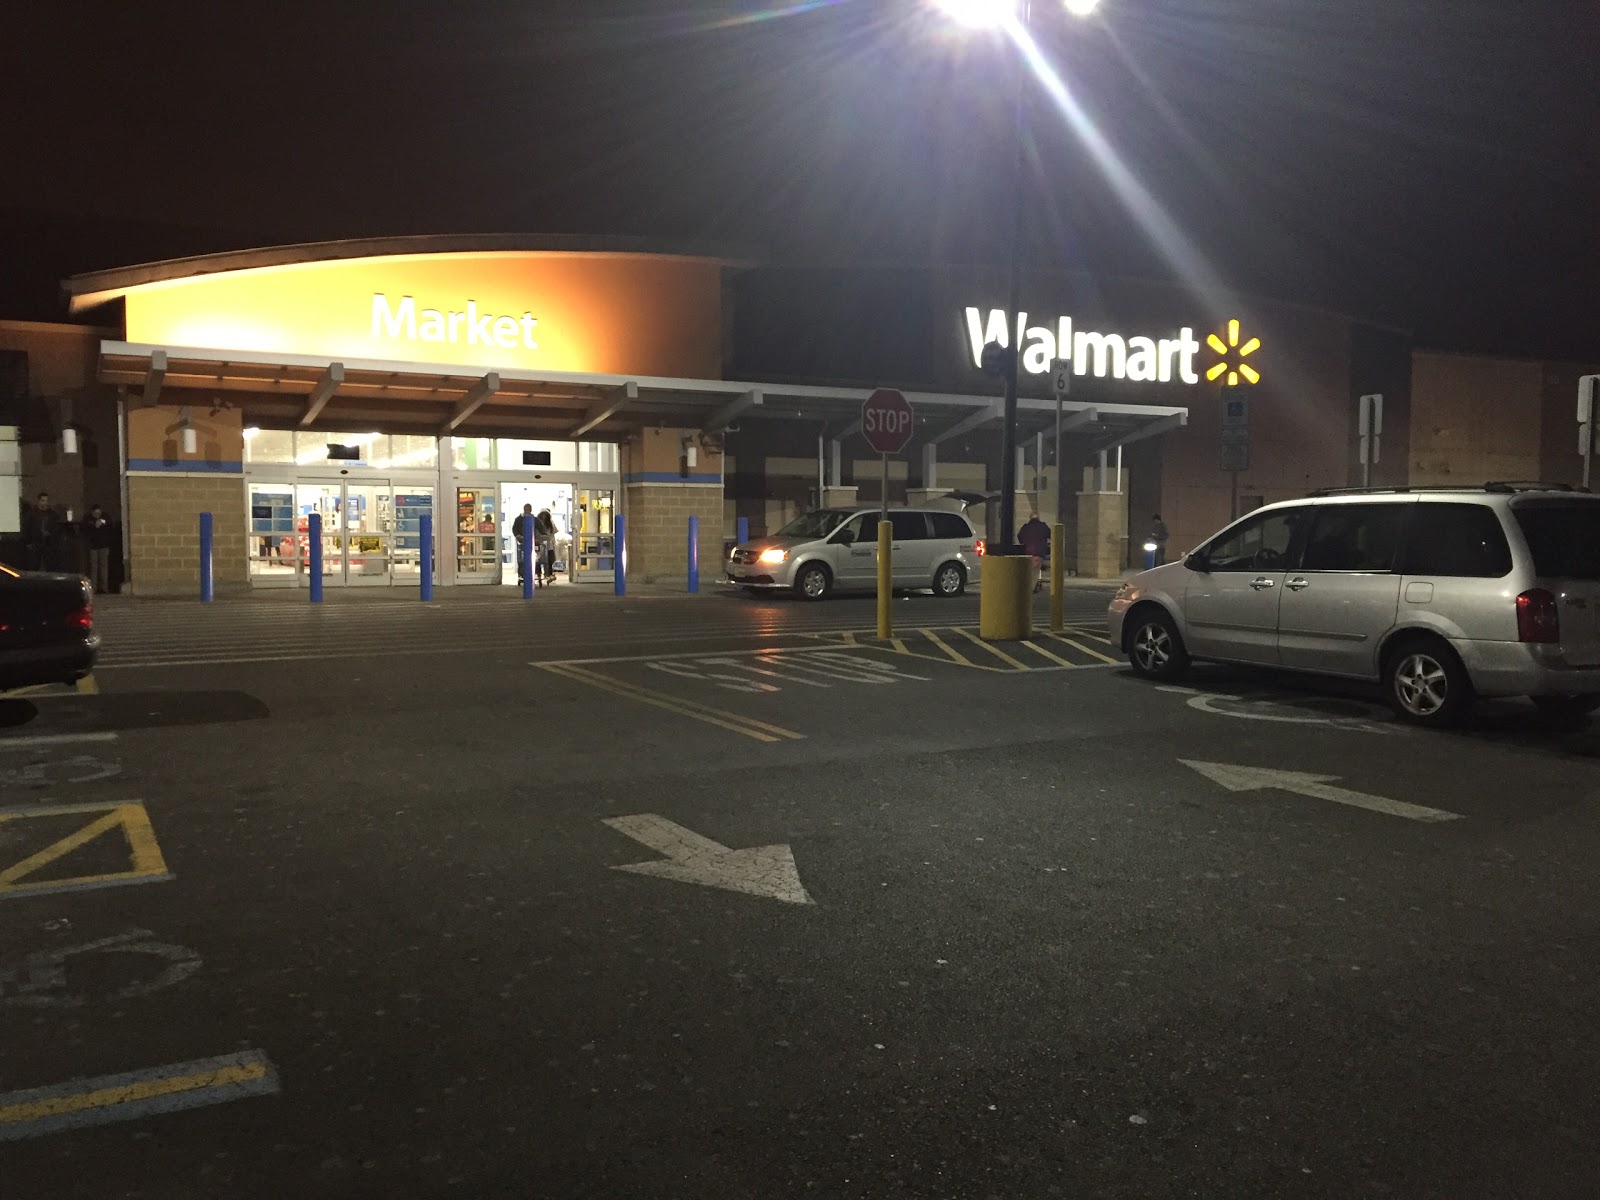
(886, 421)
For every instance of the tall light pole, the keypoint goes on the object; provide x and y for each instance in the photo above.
(999, 14)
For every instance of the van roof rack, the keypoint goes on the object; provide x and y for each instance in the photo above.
(1530, 485)
(1494, 485)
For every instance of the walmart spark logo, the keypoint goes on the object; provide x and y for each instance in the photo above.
(1232, 356)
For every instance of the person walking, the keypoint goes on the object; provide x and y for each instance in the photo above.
(97, 529)
(41, 529)
(1034, 538)
(544, 540)
(1158, 535)
(522, 529)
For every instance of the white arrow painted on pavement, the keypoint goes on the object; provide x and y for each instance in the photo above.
(1251, 779)
(758, 871)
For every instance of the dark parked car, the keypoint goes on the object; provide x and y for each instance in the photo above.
(46, 629)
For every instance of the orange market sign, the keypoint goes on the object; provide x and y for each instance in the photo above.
(618, 314)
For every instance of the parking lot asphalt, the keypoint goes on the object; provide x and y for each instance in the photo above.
(787, 916)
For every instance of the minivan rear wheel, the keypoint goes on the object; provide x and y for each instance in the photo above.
(1155, 647)
(949, 580)
(1426, 684)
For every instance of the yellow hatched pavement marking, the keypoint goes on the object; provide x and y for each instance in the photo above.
(1090, 634)
(761, 731)
(148, 866)
(1016, 663)
(1051, 655)
(899, 646)
(949, 650)
(1105, 658)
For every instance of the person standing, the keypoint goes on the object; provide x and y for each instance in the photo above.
(1158, 535)
(97, 529)
(41, 529)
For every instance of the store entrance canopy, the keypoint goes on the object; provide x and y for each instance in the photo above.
(300, 391)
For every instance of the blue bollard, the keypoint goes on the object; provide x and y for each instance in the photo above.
(206, 577)
(527, 557)
(694, 554)
(314, 540)
(425, 554)
(742, 530)
(1149, 556)
(619, 557)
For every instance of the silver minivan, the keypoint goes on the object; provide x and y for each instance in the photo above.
(836, 549)
(1442, 594)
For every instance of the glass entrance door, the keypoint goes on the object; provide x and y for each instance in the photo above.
(594, 536)
(370, 534)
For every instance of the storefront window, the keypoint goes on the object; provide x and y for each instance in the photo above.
(268, 445)
(515, 454)
(355, 449)
(406, 451)
(597, 456)
(472, 454)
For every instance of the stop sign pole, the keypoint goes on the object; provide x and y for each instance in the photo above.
(886, 421)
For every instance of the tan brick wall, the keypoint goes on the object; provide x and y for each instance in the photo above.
(1102, 528)
(658, 530)
(164, 532)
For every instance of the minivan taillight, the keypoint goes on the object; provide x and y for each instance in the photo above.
(978, 546)
(1538, 618)
(82, 619)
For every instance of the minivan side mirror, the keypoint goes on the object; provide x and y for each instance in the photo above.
(1195, 560)
(844, 537)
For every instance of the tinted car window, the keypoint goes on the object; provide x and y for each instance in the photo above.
(863, 527)
(950, 525)
(1258, 544)
(909, 526)
(1563, 537)
(1460, 540)
(1354, 537)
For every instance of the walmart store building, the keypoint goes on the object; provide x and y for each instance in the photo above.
(464, 377)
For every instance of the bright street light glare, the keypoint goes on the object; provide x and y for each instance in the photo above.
(980, 14)
(1080, 8)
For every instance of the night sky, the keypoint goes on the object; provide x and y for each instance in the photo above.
(1429, 163)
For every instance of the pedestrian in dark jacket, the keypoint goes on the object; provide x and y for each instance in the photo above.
(41, 531)
(98, 530)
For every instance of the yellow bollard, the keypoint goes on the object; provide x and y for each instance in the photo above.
(1005, 597)
(1058, 578)
(885, 581)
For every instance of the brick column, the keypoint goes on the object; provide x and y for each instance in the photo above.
(164, 532)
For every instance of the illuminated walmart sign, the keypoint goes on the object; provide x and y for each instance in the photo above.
(467, 327)
(1111, 355)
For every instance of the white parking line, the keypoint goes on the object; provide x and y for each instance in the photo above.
(54, 739)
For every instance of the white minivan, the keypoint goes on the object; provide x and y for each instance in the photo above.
(836, 549)
(1442, 594)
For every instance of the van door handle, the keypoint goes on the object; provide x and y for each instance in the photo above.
(1263, 582)
(1297, 584)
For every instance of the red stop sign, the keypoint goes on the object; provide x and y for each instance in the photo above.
(886, 420)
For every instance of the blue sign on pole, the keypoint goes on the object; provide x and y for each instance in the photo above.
(694, 554)
(425, 535)
(742, 534)
(206, 578)
(314, 537)
(620, 560)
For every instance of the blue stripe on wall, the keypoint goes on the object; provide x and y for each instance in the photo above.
(670, 477)
(194, 464)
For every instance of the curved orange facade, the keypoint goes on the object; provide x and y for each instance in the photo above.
(625, 314)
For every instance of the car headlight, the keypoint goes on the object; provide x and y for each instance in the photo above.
(772, 557)
(1124, 591)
